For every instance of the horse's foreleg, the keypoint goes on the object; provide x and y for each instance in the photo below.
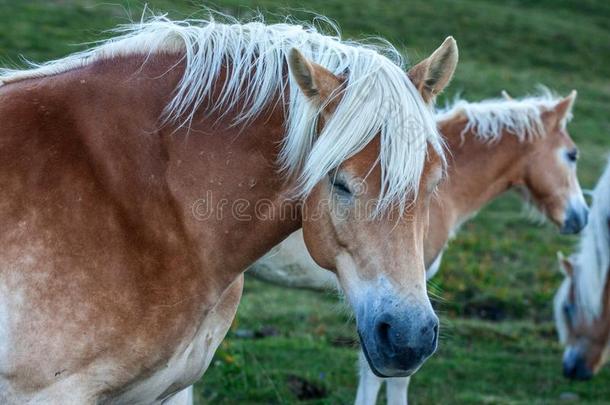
(368, 385)
(397, 390)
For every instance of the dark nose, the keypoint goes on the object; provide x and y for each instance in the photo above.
(408, 343)
(576, 219)
(575, 368)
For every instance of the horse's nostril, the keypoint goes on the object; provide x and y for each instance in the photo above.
(383, 333)
(426, 330)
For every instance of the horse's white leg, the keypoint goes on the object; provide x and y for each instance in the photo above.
(368, 385)
(397, 390)
(184, 397)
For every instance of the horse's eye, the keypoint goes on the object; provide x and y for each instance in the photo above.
(341, 187)
(568, 310)
(572, 155)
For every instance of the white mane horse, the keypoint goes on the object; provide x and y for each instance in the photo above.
(582, 303)
(494, 145)
(124, 233)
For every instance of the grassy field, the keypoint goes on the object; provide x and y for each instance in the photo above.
(498, 344)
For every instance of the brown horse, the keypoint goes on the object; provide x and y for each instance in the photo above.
(494, 145)
(582, 303)
(141, 177)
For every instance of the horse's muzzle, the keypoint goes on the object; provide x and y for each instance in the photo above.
(397, 343)
(575, 367)
(576, 217)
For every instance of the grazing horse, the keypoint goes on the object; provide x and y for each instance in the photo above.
(494, 145)
(142, 176)
(582, 303)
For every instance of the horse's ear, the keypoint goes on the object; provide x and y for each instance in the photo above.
(564, 107)
(434, 73)
(556, 117)
(565, 265)
(316, 82)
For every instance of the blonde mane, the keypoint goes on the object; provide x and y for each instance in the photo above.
(378, 97)
(489, 119)
(593, 257)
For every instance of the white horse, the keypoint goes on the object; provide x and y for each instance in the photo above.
(582, 303)
(494, 145)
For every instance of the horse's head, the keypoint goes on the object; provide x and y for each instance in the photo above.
(585, 336)
(378, 255)
(550, 173)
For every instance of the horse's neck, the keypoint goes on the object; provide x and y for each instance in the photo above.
(233, 178)
(603, 324)
(215, 187)
(477, 173)
(480, 171)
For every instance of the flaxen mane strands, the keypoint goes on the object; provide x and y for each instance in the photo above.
(490, 118)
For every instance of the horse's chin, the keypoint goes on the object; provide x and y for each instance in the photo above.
(368, 358)
(372, 365)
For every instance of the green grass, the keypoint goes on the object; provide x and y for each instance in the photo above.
(501, 265)
(516, 362)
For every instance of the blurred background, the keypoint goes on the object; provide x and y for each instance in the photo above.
(495, 288)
